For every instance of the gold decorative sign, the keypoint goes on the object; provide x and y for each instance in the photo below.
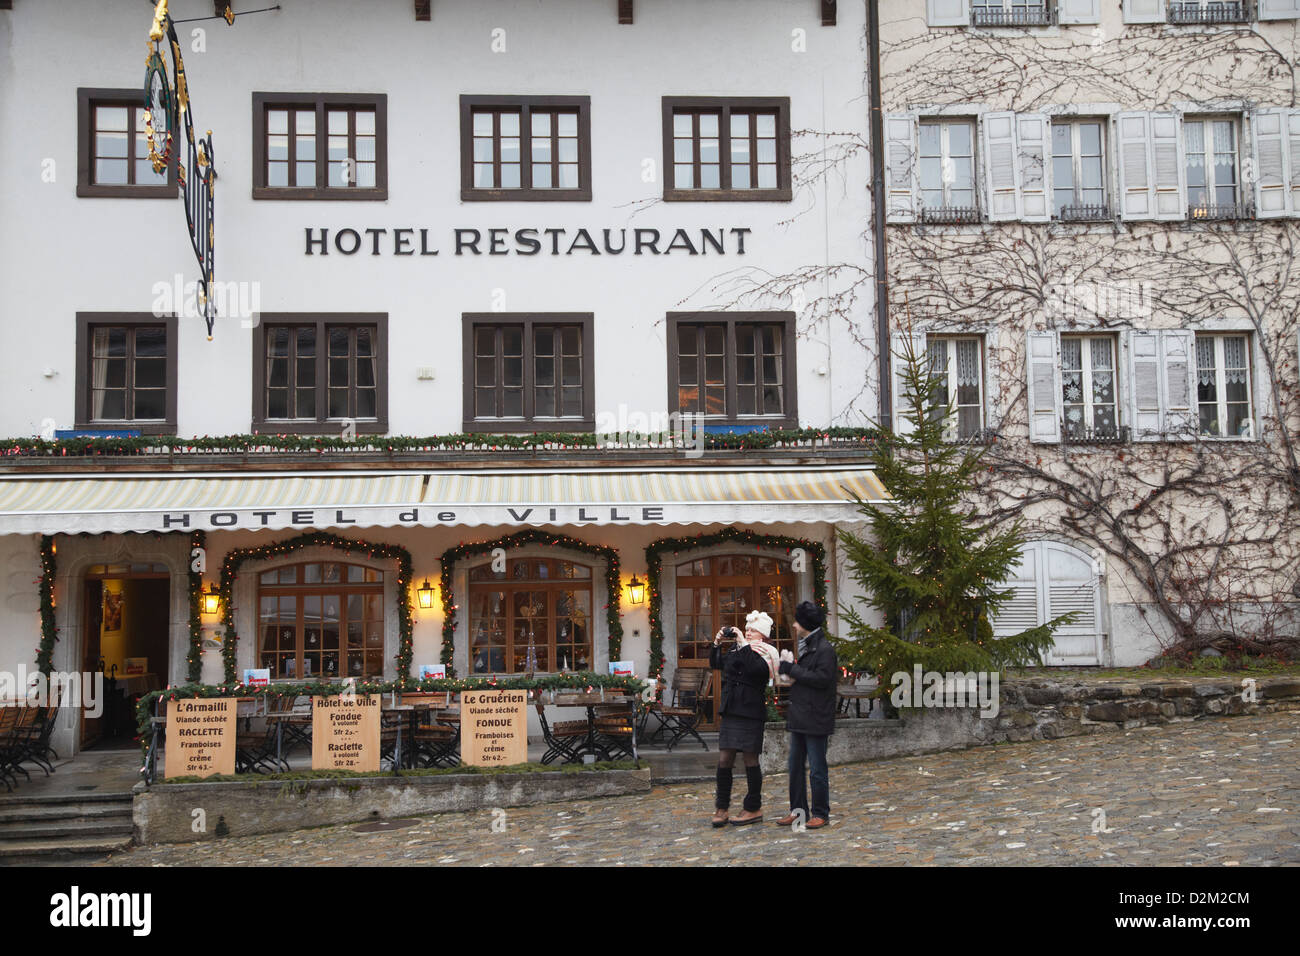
(494, 728)
(200, 737)
(345, 732)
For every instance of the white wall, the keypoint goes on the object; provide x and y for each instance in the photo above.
(63, 254)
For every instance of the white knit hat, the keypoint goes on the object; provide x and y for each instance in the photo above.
(760, 622)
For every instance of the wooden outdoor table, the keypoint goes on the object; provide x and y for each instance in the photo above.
(591, 701)
(857, 695)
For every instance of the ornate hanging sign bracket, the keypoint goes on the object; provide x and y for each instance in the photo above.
(167, 103)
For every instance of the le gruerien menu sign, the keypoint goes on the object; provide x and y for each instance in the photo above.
(200, 737)
(494, 728)
(345, 732)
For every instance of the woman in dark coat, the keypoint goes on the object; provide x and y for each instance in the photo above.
(745, 674)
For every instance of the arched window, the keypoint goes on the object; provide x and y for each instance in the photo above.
(321, 620)
(533, 616)
(720, 591)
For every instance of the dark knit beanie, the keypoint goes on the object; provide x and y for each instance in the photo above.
(809, 616)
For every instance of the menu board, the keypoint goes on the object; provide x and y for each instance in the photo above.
(494, 727)
(345, 732)
(200, 739)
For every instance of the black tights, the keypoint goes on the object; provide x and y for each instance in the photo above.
(753, 780)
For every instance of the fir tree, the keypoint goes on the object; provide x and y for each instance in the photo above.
(935, 567)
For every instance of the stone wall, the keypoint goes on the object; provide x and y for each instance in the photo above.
(1044, 709)
(164, 813)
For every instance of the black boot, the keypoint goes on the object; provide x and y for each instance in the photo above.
(754, 798)
(722, 801)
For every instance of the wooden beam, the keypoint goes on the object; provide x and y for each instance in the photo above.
(219, 7)
(423, 9)
(828, 13)
(6, 4)
(624, 11)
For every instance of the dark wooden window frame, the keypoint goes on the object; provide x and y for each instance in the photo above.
(525, 105)
(86, 322)
(322, 425)
(321, 103)
(731, 319)
(87, 99)
(723, 105)
(509, 586)
(529, 422)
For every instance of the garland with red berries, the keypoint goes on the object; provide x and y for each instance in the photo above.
(49, 630)
(230, 568)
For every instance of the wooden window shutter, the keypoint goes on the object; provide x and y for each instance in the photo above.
(1134, 136)
(904, 419)
(1178, 353)
(1078, 11)
(1168, 165)
(902, 188)
(947, 13)
(1002, 172)
(1032, 143)
(1144, 11)
(1273, 197)
(1144, 385)
(1043, 363)
(1279, 9)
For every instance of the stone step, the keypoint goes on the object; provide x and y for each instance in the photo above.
(41, 813)
(63, 831)
(18, 799)
(59, 852)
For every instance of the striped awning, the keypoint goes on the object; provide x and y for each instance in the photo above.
(116, 503)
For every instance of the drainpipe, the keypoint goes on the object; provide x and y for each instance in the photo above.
(878, 213)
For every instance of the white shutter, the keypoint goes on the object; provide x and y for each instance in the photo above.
(1144, 11)
(901, 396)
(1279, 9)
(1292, 137)
(1078, 11)
(947, 13)
(1272, 166)
(1023, 609)
(1032, 142)
(1134, 165)
(1144, 385)
(1043, 362)
(1168, 165)
(1178, 352)
(901, 185)
(1001, 170)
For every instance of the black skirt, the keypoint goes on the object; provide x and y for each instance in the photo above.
(741, 733)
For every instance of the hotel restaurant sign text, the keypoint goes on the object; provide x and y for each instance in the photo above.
(415, 517)
(414, 241)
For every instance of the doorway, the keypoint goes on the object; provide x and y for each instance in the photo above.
(127, 618)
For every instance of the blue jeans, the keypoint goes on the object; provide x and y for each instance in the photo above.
(813, 747)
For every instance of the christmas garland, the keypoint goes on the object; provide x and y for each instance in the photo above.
(242, 444)
(655, 551)
(230, 567)
(194, 660)
(577, 681)
(613, 587)
(49, 632)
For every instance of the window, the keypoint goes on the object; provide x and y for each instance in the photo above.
(1010, 13)
(1208, 11)
(320, 146)
(113, 149)
(1088, 388)
(536, 615)
(525, 148)
(1212, 180)
(1078, 170)
(321, 620)
(526, 370)
(947, 154)
(733, 367)
(1223, 385)
(726, 149)
(316, 374)
(961, 394)
(126, 372)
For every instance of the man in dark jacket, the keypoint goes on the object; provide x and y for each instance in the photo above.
(811, 716)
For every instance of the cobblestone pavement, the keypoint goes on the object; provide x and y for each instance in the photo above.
(1220, 792)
